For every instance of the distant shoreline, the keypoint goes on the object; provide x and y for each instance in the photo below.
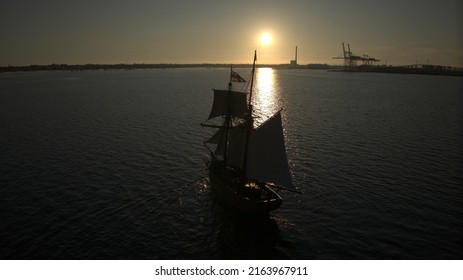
(84, 67)
(79, 67)
(408, 69)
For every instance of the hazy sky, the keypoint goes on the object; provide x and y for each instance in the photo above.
(210, 31)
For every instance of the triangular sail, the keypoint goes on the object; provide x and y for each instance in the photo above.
(218, 139)
(233, 102)
(236, 146)
(236, 142)
(267, 160)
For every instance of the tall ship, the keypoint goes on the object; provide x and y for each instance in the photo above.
(247, 164)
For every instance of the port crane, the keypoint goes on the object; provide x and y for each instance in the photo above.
(351, 60)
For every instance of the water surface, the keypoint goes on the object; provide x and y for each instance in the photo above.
(108, 165)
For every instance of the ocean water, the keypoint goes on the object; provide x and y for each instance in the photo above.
(110, 165)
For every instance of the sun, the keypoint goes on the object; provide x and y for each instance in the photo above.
(266, 39)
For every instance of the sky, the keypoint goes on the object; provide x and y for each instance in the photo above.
(398, 32)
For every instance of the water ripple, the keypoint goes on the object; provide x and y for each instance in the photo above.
(109, 165)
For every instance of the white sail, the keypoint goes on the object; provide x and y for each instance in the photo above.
(232, 101)
(267, 160)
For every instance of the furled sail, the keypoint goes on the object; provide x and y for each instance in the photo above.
(232, 101)
(267, 160)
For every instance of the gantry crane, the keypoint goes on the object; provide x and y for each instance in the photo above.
(351, 60)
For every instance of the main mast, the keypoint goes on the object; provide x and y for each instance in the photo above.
(227, 118)
(249, 121)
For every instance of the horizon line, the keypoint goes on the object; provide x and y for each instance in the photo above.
(205, 64)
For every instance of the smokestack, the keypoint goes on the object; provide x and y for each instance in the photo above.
(296, 55)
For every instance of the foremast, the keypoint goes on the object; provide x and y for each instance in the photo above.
(227, 117)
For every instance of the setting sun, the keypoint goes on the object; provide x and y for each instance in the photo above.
(266, 38)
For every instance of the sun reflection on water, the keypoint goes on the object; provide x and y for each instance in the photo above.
(266, 94)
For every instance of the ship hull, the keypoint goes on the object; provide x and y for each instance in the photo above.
(247, 197)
